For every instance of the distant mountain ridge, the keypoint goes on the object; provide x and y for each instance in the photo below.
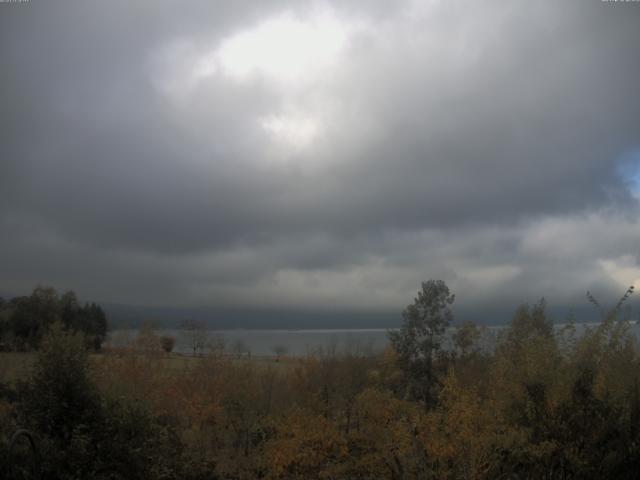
(124, 315)
(120, 316)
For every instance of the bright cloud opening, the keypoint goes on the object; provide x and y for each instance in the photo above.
(284, 47)
(623, 270)
(293, 131)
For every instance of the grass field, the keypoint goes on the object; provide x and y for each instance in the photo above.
(15, 366)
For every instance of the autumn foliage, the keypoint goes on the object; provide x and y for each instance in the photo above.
(544, 402)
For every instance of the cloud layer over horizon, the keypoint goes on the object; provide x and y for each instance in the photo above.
(320, 155)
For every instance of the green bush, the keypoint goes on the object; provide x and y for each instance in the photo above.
(84, 435)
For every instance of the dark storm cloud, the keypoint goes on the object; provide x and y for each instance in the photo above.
(452, 136)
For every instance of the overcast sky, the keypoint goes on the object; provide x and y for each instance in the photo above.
(320, 155)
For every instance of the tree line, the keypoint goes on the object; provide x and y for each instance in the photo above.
(545, 403)
(25, 320)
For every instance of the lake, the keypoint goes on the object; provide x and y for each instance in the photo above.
(264, 342)
(300, 342)
(293, 342)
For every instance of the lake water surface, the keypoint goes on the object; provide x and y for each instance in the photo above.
(264, 342)
(300, 342)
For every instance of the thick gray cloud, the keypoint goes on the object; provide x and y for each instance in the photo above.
(319, 155)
